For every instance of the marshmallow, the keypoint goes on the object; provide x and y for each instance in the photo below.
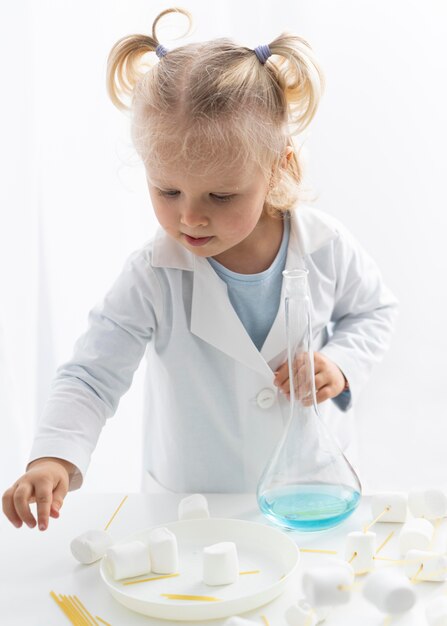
(220, 564)
(193, 507)
(428, 503)
(239, 621)
(363, 545)
(163, 551)
(90, 546)
(301, 614)
(397, 503)
(434, 565)
(389, 591)
(328, 585)
(416, 534)
(436, 611)
(126, 560)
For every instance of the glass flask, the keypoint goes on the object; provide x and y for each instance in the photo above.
(308, 484)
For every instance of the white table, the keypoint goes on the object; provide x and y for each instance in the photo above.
(34, 562)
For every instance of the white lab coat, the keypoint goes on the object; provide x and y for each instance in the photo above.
(212, 414)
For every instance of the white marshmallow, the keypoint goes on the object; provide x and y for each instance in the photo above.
(436, 611)
(239, 621)
(301, 614)
(163, 551)
(328, 585)
(416, 534)
(220, 564)
(434, 565)
(363, 545)
(90, 546)
(126, 560)
(193, 507)
(396, 502)
(428, 503)
(389, 591)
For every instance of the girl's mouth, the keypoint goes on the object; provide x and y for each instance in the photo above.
(197, 241)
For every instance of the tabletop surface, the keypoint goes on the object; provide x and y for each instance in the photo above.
(33, 563)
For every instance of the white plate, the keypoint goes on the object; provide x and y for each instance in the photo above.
(259, 547)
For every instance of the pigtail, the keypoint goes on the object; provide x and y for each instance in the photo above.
(125, 65)
(300, 77)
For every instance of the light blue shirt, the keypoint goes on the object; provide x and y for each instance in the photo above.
(256, 297)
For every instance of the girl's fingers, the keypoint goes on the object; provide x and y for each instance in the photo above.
(58, 498)
(44, 496)
(9, 509)
(21, 499)
(320, 381)
(281, 375)
(324, 393)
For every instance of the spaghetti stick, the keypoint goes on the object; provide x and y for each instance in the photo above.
(318, 551)
(179, 596)
(382, 545)
(265, 620)
(385, 510)
(255, 571)
(64, 608)
(435, 573)
(102, 621)
(148, 580)
(352, 587)
(76, 616)
(414, 578)
(352, 557)
(436, 525)
(83, 609)
(113, 516)
(85, 619)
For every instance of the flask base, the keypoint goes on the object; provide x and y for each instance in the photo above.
(309, 507)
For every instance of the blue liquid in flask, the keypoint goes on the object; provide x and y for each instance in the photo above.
(309, 507)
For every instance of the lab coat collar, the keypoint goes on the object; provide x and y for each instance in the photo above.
(213, 318)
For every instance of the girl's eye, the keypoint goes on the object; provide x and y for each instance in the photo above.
(172, 193)
(222, 198)
(168, 194)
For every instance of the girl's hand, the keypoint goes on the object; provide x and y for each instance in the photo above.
(329, 379)
(46, 483)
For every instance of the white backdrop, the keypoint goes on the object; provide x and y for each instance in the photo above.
(74, 203)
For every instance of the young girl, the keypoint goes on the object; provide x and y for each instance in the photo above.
(212, 122)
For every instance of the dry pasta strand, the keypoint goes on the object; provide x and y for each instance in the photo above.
(148, 580)
(116, 511)
(180, 596)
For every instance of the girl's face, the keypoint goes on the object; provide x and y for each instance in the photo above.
(219, 215)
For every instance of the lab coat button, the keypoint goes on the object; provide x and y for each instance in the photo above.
(266, 398)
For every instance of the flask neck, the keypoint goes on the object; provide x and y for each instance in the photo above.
(299, 339)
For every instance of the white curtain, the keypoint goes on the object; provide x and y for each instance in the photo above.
(74, 202)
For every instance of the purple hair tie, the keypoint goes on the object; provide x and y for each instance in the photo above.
(263, 53)
(160, 51)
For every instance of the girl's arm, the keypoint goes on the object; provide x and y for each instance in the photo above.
(363, 316)
(362, 320)
(86, 391)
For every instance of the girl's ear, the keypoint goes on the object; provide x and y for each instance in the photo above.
(288, 153)
(283, 165)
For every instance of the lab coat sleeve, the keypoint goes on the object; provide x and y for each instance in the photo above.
(87, 389)
(363, 316)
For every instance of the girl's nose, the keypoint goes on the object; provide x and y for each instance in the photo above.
(193, 217)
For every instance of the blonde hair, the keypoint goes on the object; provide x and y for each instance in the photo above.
(202, 101)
